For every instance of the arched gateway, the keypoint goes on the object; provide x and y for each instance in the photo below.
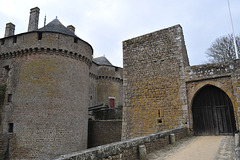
(212, 112)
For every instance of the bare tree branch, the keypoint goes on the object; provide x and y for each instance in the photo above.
(222, 49)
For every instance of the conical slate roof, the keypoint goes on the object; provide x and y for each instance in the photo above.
(57, 26)
(102, 61)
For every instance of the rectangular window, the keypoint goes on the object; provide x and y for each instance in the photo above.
(14, 39)
(75, 40)
(2, 42)
(160, 116)
(39, 35)
(10, 127)
(9, 97)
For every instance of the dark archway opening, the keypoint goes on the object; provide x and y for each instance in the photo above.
(212, 112)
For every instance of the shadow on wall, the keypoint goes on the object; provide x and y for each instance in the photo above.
(105, 126)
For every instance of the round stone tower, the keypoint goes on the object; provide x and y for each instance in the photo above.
(44, 75)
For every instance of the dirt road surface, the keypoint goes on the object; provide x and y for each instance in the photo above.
(203, 148)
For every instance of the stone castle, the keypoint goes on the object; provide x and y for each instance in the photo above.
(49, 79)
(165, 92)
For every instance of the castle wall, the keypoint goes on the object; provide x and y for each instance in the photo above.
(223, 75)
(109, 85)
(102, 132)
(128, 149)
(105, 82)
(108, 114)
(154, 86)
(106, 126)
(93, 76)
(48, 83)
(58, 43)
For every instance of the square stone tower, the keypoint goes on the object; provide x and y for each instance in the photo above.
(153, 81)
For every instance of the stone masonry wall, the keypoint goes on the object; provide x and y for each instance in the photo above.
(109, 84)
(236, 92)
(128, 149)
(102, 132)
(223, 75)
(154, 86)
(59, 43)
(108, 114)
(93, 77)
(46, 96)
(105, 81)
(47, 108)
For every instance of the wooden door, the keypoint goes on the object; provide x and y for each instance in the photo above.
(212, 112)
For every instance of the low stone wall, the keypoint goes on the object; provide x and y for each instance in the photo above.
(128, 149)
(108, 114)
(102, 132)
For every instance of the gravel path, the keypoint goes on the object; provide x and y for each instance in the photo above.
(197, 148)
(204, 148)
(226, 149)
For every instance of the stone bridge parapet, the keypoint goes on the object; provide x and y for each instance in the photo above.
(128, 149)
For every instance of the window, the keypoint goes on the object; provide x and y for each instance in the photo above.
(9, 97)
(10, 127)
(2, 42)
(14, 39)
(75, 40)
(159, 113)
(159, 121)
(39, 35)
(159, 116)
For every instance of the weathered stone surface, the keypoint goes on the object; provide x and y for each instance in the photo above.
(142, 152)
(128, 149)
(102, 132)
(9, 30)
(223, 75)
(154, 87)
(106, 82)
(48, 81)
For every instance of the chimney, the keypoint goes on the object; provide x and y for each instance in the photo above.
(71, 28)
(9, 31)
(33, 19)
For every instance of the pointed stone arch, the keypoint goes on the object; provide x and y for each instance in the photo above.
(212, 111)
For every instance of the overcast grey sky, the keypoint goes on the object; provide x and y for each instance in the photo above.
(106, 23)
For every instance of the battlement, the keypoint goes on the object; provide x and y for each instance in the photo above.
(44, 43)
(106, 80)
(94, 76)
(210, 71)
